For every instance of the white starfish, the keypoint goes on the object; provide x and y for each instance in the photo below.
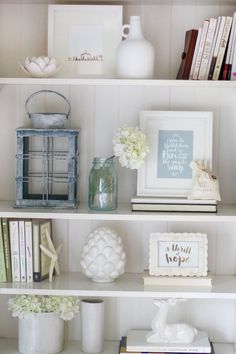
(52, 253)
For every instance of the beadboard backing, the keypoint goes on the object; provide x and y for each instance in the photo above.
(23, 29)
(94, 107)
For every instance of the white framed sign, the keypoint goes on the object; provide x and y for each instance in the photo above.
(83, 38)
(175, 138)
(178, 254)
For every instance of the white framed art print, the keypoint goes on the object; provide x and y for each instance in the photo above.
(175, 138)
(83, 38)
(178, 254)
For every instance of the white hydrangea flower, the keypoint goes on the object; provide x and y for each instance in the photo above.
(130, 145)
(25, 306)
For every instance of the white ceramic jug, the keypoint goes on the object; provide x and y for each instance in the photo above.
(135, 55)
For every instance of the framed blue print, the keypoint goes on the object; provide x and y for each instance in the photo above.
(175, 138)
(174, 153)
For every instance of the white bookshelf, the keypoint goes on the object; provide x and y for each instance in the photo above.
(99, 105)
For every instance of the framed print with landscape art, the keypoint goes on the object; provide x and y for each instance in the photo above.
(175, 138)
(83, 38)
(178, 254)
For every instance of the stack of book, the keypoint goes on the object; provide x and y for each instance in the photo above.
(21, 259)
(209, 51)
(173, 204)
(160, 280)
(135, 343)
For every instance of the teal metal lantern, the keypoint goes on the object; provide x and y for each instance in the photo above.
(46, 174)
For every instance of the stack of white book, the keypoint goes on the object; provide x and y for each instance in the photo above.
(136, 342)
(173, 204)
(189, 281)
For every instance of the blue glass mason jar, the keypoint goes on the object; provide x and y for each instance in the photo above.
(103, 186)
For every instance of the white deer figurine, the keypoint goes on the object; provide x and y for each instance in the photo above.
(169, 333)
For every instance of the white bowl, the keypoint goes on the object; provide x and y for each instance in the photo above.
(40, 66)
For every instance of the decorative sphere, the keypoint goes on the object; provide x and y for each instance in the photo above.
(103, 258)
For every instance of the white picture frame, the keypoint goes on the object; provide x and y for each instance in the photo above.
(175, 138)
(178, 254)
(83, 38)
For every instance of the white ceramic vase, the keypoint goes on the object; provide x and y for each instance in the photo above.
(42, 334)
(92, 325)
(135, 55)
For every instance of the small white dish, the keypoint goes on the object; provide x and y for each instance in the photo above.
(40, 66)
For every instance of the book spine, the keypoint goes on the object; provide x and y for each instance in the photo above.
(3, 276)
(15, 250)
(228, 59)
(173, 350)
(29, 251)
(213, 47)
(217, 46)
(207, 48)
(170, 201)
(190, 47)
(195, 53)
(229, 71)
(181, 207)
(36, 251)
(224, 66)
(223, 44)
(200, 49)
(232, 61)
(7, 251)
(225, 71)
(22, 250)
(153, 280)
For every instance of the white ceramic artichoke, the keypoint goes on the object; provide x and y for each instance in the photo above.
(40, 66)
(103, 258)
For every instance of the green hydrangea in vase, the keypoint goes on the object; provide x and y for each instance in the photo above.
(41, 321)
(130, 146)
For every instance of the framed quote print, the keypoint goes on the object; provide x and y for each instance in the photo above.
(83, 38)
(178, 254)
(175, 138)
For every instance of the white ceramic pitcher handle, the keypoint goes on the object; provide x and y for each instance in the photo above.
(124, 27)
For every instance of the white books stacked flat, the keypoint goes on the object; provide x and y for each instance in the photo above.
(136, 342)
(173, 204)
(154, 280)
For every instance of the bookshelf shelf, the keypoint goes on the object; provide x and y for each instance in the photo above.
(129, 285)
(226, 213)
(9, 346)
(116, 82)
